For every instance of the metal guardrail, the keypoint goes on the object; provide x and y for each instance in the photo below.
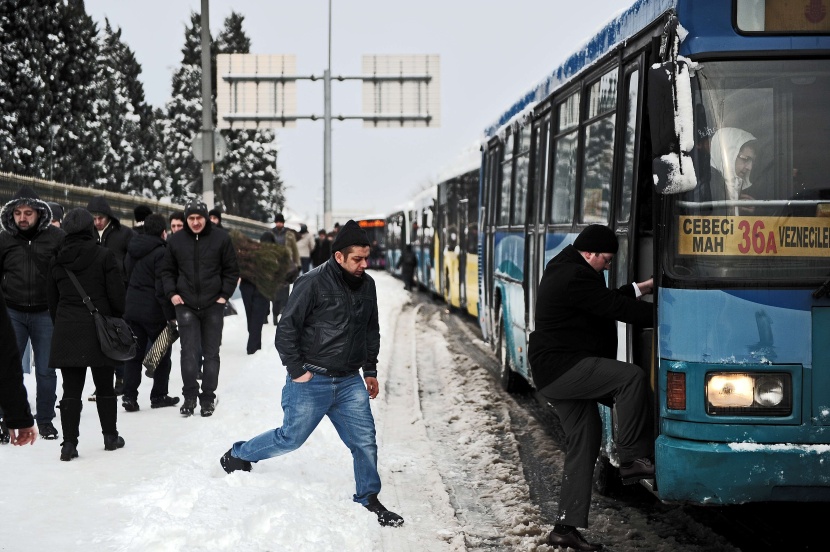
(122, 205)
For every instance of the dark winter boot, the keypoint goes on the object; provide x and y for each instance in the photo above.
(108, 415)
(113, 441)
(70, 423)
(68, 451)
(386, 517)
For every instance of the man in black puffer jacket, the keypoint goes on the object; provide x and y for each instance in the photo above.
(199, 274)
(28, 243)
(148, 311)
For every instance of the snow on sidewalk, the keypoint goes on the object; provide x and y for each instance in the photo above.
(165, 491)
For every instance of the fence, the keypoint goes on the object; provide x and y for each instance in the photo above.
(122, 205)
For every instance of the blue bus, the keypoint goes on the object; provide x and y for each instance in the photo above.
(698, 131)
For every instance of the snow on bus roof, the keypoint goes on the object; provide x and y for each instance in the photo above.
(468, 160)
(622, 27)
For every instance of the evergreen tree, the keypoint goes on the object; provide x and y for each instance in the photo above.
(79, 142)
(25, 96)
(250, 185)
(130, 163)
(184, 118)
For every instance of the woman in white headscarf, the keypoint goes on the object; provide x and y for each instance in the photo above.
(732, 152)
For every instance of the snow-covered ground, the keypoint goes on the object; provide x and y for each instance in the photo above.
(448, 457)
(166, 491)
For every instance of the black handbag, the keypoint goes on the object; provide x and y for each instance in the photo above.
(115, 337)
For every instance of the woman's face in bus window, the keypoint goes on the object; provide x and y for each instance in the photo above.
(744, 161)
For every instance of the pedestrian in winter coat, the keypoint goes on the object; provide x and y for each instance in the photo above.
(28, 243)
(328, 333)
(572, 355)
(304, 246)
(115, 237)
(322, 249)
(281, 235)
(407, 263)
(199, 275)
(18, 425)
(147, 312)
(75, 344)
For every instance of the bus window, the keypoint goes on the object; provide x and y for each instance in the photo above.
(598, 160)
(520, 193)
(506, 180)
(564, 161)
(624, 210)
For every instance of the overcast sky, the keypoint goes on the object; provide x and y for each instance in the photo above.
(491, 53)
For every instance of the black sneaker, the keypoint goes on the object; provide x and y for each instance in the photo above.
(207, 408)
(47, 431)
(161, 402)
(231, 463)
(188, 407)
(130, 405)
(386, 518)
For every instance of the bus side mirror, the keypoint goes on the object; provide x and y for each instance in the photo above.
(671, 124)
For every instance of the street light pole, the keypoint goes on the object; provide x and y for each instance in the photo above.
(54, 130)
(207, 112)
(327, 137)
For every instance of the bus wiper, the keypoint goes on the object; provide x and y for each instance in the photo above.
(823, 290)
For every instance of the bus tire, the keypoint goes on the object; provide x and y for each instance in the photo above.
(606, 480)
(507, 377)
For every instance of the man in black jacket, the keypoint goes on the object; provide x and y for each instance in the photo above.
(148, 311)
(28, 243)
(329, 331)
(199, 275)
(572, 355)
(116, 237)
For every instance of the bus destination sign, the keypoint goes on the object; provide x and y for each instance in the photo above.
(744, 236)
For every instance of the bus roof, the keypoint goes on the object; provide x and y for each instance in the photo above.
(624, 26)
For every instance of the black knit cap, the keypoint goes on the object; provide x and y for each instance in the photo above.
(279, 218)
(140, 213)
(350, 234)
(597, 238)
(77, 221)
(195, 207)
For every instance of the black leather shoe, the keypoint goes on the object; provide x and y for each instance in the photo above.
(572, 539)
(641, 468)
(163, 401)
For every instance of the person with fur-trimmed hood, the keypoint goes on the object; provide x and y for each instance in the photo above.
(28, 243)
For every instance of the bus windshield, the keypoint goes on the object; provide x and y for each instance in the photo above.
(761, 207)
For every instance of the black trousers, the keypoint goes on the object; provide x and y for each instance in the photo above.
(256, 311)
(574, 397)
(200, 332)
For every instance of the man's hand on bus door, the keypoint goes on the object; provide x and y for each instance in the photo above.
(646, 287)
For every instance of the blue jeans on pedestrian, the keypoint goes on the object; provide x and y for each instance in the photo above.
(345, 401)
(200, 331)
(37, 327)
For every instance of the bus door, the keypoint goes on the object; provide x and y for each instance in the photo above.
(488, 213)
(535, 243)
(463, 231)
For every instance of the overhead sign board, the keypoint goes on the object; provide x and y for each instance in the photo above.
(401, 91)
(256, 90)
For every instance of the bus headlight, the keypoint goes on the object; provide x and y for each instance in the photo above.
(748, 394)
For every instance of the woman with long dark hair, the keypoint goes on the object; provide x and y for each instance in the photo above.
(74, 340)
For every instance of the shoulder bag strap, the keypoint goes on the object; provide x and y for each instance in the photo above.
(84, 297)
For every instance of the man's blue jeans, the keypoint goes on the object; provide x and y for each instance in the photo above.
(346, 402)
(37, 326)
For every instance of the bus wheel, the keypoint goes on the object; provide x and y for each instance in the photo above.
(507, 378)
